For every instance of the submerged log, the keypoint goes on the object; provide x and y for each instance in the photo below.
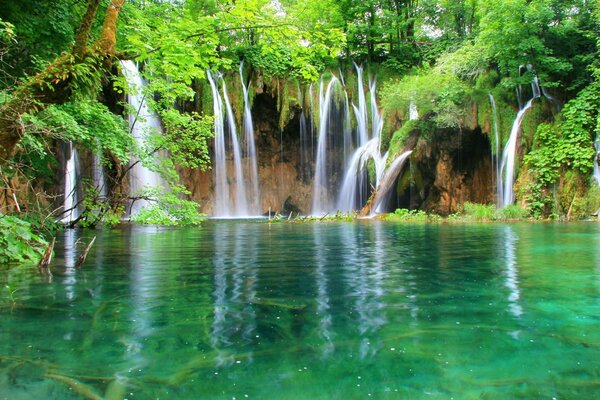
(387, 181)
(82, 257)
(78, 387)
(46, 258)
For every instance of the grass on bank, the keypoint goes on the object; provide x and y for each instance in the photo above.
(468, 212)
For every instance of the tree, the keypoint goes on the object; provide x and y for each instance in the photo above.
(78, 72)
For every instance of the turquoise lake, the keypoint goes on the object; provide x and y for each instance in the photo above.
(258, 310)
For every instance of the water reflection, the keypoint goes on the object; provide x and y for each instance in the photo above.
(511, 273)
(234, 295)
(323, 305)
(145, 282)
(70, 258)
(364, 276)
(311, 311)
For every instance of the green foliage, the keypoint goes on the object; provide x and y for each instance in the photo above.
(439, 94)
(98, 210)
(488, 212)
(19, 241)
(168, 209)
(568, 143)
(399, 137)
(338, 216)
(468, 62)
(186, 138)
(511, 212)
(39, 29)
(87, 122)
(478, 212)
(405, 215)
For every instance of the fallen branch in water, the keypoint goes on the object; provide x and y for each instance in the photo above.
(80, 388)
(46, 258)
(82, 258)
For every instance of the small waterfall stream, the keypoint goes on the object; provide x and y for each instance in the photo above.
(496, 153)
(507, 168)
(233, 198)
(508, 157)
(321, 195)
(222, 199)
(354, 190)
(142, 124)
(241, 202)
(250, 151)
(386, 182)
(70, 196)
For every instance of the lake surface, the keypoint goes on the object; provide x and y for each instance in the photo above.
(259, 310)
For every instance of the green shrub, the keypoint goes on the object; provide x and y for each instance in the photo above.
(512, 211)
(19, 243)
(169, 209)
(405, 215)
(478, 212)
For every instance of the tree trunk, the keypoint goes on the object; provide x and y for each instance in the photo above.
(54, 84)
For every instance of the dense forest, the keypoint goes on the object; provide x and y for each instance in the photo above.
(62, 87)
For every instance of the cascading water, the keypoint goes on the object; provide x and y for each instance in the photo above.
(508, 157)
(70, 197)
(250, 151)
(304, 151)
(361, 111)
(507, 168)
(222, 199)
(142, 124)
(596, 162)
(387, 181)
(496, 153)
(321, 195)
(232, 199)
(413, 112)
(241, 203)
(354, 185)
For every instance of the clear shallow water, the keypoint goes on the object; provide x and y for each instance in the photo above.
(310, 311)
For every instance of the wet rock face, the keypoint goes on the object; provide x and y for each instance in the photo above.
(447, 167)
(446, 170)
(279, 165)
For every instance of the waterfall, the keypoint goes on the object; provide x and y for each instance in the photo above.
(348, 146)
(241, 202)
(321, 190)
(496, 153)
(354, 184)
(70, 197)
(232, 198)
(304, 151)
(387, 181)
(250, 150)
(98, 176)
(361, 111)
(222, 199)
(508, 156)
(413, 112)
(142, 124)
(596, 166)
